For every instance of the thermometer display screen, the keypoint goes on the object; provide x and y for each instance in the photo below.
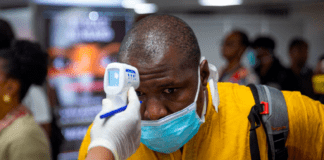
(113, 77)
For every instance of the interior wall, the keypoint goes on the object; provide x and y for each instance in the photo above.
(314, 34)
(210, 30)
(21, 22)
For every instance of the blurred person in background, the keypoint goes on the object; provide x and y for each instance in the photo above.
(299, 76)
(233, 48)
(6, 34)
(318, 79)
(36, 99)
(269, 69)
(21, 65)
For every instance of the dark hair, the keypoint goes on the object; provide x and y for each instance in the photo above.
(264, 42)
(166, 29)
(321, 57)
(244, 38)
(26, 62)
(297, 42)
(6, 34)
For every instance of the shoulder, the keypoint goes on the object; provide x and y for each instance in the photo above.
(83, 151)
(233, 96)
(25, 129)
(36, 90)
(25, 140)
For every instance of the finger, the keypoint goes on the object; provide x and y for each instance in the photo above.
(133, 100)
(107, 105)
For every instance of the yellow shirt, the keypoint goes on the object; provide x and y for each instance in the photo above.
(225, 135)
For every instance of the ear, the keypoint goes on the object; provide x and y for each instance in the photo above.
(204, 72)
(12, 87)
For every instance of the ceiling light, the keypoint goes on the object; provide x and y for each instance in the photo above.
(219, 2)
(145, 8)
(109, 3)
(93, 15)
(130, 4)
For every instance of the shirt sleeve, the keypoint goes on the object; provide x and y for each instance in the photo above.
(36, 100)
(306, 132)
(84, 145)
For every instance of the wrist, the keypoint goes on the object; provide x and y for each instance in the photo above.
(100, 153)
(104, 144)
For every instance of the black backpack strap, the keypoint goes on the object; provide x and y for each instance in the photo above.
(271, 109)
(254, 119)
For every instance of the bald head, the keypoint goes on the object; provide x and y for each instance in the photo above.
(153, 37)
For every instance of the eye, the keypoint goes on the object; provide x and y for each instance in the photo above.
(139, 93)
(169, 90)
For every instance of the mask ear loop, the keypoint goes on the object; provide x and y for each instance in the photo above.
(212, 80)
(197, 93)
(203, 113)
(202, 119)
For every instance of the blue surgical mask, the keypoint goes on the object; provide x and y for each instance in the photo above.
(170, 133)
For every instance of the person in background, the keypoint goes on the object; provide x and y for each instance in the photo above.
(21, 66)
(299, 76)
(233, 48)
(6, 34)
(318, 79)
(269, 69)
(36, 99)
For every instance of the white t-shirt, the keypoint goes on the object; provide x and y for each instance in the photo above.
(36, 100)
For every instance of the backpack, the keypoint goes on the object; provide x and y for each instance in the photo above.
(270, 109)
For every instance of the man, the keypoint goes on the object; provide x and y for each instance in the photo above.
(233, 48)
(269, 69)
(179, 118)
(299, 76)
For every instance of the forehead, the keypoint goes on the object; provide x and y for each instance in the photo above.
(161, 72)
(168, 59)
(299, 49)
(233, 37)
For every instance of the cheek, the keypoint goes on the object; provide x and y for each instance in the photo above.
(228, 51)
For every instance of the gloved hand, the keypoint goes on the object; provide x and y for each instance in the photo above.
(120, 133)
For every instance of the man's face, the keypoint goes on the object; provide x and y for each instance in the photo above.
(232, 46)
(299, 55)
(165, 88)
(263, 54)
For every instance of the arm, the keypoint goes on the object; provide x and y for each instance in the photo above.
(100, 153)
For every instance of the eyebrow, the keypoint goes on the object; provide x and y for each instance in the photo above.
(171, 83)
(167, 85)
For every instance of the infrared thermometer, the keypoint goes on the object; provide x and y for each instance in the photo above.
(118, 78)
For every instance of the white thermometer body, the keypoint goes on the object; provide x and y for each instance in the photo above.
(118, 78)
